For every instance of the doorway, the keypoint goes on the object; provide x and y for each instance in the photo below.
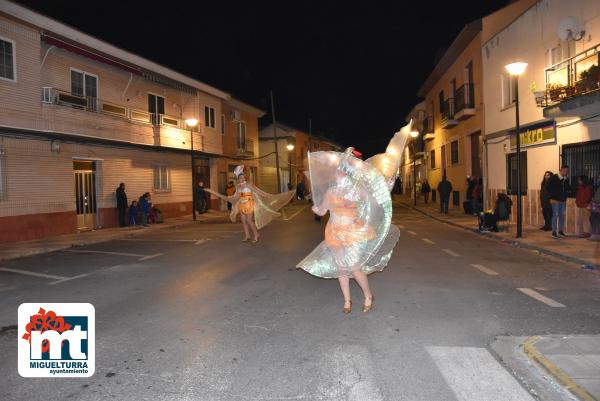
(443, 159)
(476, 155)
(84, 173)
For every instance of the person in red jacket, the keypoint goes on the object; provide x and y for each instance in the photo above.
(585, 191)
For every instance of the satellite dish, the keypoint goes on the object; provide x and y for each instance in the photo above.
(569, 28)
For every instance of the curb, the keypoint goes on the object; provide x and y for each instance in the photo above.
(508, 240)
(565, 380)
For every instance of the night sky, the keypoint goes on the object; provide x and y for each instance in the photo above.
(353, 69)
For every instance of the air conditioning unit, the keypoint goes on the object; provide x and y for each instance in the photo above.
(236, 115)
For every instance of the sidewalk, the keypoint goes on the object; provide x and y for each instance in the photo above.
(573, 361)
(572, 249)
(14, 250)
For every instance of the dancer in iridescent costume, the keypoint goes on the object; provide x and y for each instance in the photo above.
(256, 207)
(359, 237)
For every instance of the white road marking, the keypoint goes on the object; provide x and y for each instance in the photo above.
(34, 274)
(202, 241)
(474, 375)
(542, 298)
(295, 214)
(428, 241)
(69, 279)
(133, 255)
(485, 270)
(450, 252)
(150, 256)
(411, 232)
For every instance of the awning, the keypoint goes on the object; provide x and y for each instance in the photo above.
(63, 44)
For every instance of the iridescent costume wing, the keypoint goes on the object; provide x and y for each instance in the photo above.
(266, 205)
(359, 234)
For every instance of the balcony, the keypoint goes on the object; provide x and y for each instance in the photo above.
(465, 101)
(572, 86)
(246, 148)
(428, 128)
(448, 118)
(94, 117)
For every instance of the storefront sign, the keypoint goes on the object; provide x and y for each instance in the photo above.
(535, 134)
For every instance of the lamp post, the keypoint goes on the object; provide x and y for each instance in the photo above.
(191, 123)
(414, 134)
(516, 69)
(290, 147)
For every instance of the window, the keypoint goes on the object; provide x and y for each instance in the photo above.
(565, 50)
(84, 84)
(454, 152)
(511, 173)
(508, 90)
(432, 158)
(582, 159)
(156, 107)
(7, 60)
(161, 177)
(241, 135)
(3, 189)
(441, 99)
(222, 124)
(209, 117)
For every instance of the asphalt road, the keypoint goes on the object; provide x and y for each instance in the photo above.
(193, 313)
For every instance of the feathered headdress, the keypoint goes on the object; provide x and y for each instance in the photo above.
(239, 170)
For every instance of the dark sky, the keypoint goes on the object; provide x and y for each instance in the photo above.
(353, 69)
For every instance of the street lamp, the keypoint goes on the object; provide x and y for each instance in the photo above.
(516, 69)
(414, 134)
(290, 147)
(191, 123)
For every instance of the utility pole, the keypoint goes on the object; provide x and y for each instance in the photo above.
(276, 142)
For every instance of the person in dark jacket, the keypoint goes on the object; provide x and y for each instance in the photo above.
(201, 201)
(144, 208)
(559, 188)
(425, 190)
(122, 204)
(133, 213)
(545, 201)
(444, 189)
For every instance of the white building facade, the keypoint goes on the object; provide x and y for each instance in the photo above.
(558, 107)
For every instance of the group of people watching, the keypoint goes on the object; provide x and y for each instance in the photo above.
(554, 190)
(140, 212)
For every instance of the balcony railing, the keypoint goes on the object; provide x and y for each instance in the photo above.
(448, 110)
(246, 148)
(465, 97)
(93, 104)
(572, 77)
(428, 125)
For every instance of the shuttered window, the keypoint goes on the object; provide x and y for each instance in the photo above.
(161, 177)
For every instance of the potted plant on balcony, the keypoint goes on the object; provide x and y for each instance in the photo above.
(589, 79)
(555, 91)
(539, 95)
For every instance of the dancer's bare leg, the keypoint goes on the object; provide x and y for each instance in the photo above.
(363, 282)
(253, 226)
(345, 287)
(245, 226)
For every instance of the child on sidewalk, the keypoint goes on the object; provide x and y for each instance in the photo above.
(133, 212)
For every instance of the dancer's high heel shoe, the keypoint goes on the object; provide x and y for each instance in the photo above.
(348, 309)
(367, 308)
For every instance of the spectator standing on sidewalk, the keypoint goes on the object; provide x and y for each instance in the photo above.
(559, 189)
(545, 201)
(133, 213)
(121, 204)
(585, 192)
(144, 206)
(444, 189)
(201, 201)
(425, 190)
(595, 217)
